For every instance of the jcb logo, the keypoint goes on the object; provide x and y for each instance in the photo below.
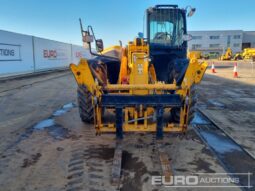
(49, 53)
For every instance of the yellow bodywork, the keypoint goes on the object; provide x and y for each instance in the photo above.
(194, 54)
(248, 53)
(83, 75)
(138, 77)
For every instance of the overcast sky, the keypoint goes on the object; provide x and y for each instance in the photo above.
(115, 20)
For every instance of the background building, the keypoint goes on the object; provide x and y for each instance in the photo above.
(216, 42)
(248, 39)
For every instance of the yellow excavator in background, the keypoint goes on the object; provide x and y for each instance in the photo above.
(227, 55)
(146, 86)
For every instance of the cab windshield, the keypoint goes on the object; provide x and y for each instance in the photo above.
(166, 27)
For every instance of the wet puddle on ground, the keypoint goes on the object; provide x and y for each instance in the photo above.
(199, 120)
(213, 136)
(54, 129)
(44, 124)
(220, 143)
(63, 110)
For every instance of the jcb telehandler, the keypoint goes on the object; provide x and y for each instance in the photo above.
(148, 85)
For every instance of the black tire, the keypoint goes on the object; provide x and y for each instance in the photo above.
(175, 112)
(192, 104)
(86, 108)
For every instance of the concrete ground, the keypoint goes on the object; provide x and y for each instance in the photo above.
(230, 102)
(66, 155)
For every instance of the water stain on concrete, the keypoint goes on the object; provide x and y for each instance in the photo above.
(101, 153)
(58, 132)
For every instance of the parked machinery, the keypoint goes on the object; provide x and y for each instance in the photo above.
(248, 53)
(147, 86)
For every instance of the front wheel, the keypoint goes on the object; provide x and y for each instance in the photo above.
(86, 108)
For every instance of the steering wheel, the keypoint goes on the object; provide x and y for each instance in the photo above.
(162, 36)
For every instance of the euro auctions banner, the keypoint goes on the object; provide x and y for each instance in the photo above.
(10, 52)
(51, 54)
(21, 54)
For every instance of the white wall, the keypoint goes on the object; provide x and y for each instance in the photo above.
(16, 53)
(21, 54)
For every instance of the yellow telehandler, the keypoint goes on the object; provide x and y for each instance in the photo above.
(148, 85)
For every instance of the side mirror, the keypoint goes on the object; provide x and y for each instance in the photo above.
(191, 12)
(87, 38)
(99, 45)
(187, 37)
